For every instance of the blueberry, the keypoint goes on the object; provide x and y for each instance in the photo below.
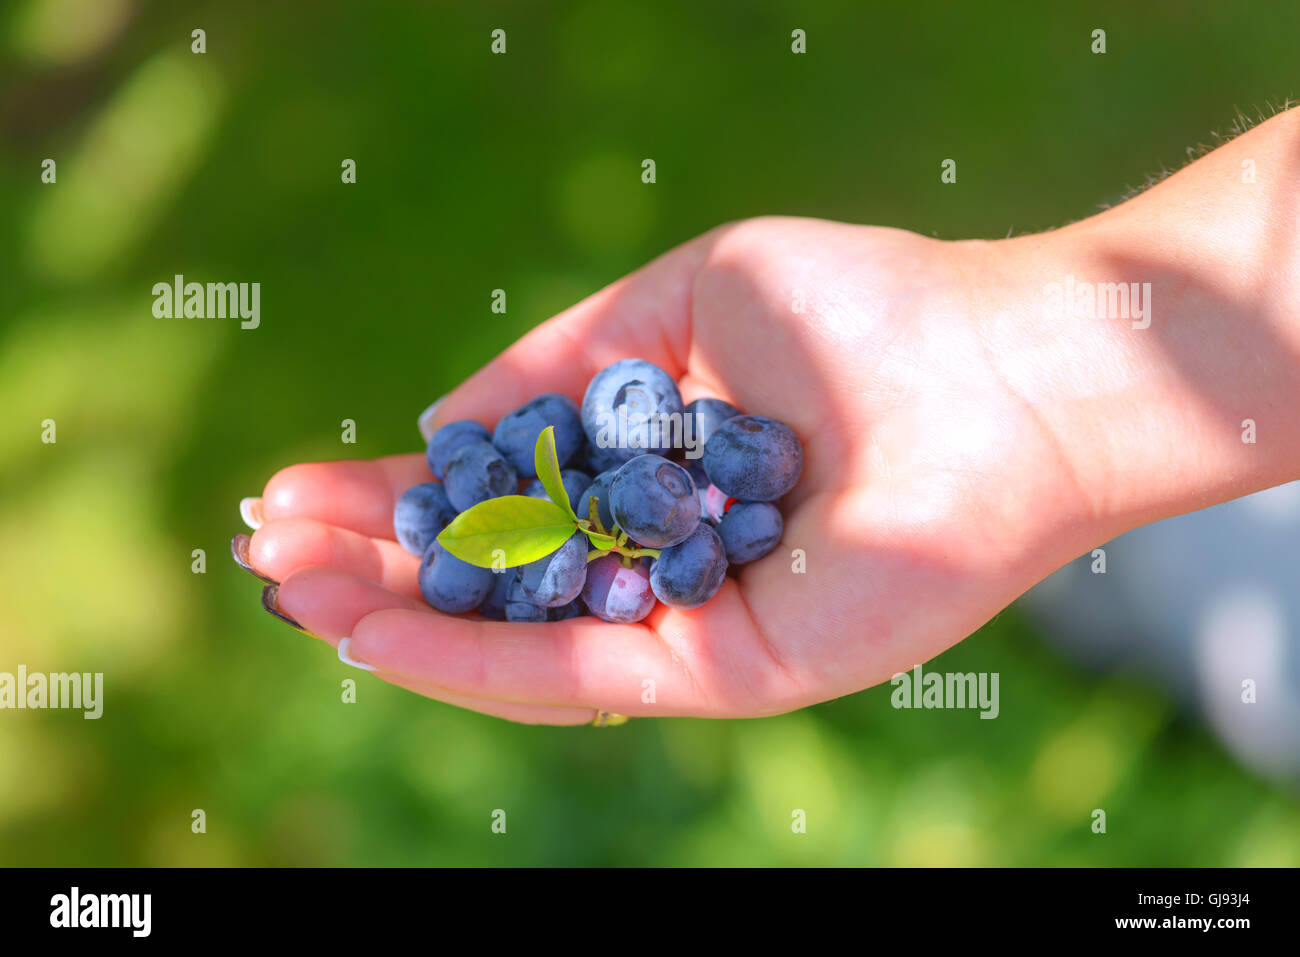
(519, 607)
(444, 443)
(604, 460)
(598, 490)
(704, 416)
(516, 434)
(750, 530)
(574, 609)
(654, 501)
(632, 407)
(688, 574)
(494, 605)
(420, 514)
(615, 593)
(451, 585)
(575, 484)
(475, 473)
(557, 578)
(753, 458)
(695, 468)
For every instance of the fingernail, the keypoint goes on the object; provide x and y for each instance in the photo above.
(239, 549)
(426, 419)
(250, 510)
(270, 601)
(345, 656)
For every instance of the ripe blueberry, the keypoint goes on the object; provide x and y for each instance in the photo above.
(750, 530)
(476, 473)
(688, 574)
(629, 408)
(598, 491)
(603, 460)
(519, 607)
(444, 443)
(451, 585)
(753, 458)
(420, 514)
(574, 609)
(575, 484)
(516, 434)
(556, 579)
(654, 501)
(494, 605)
(705, 415)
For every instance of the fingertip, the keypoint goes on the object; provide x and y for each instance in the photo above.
(345, 656)
(330, 602)
(354, 494)
(250, 510)
(425, 422)
(279, 500)
(264, 549)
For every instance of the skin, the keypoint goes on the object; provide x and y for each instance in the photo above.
(962, 441)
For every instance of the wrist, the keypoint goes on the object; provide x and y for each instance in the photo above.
(1159, 343)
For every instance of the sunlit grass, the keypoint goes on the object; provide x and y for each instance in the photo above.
(93, 581)
(41, 766)
(60, 32)
(1271, 838)
(795, 771)
(1080, 765)
(93, 367)
(135, 156)
(942, 817)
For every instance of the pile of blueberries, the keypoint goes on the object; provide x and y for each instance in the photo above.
(701, 515)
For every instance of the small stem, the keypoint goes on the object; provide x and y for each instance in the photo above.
(623, 551)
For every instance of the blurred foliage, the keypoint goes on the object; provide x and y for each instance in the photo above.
(520, 171)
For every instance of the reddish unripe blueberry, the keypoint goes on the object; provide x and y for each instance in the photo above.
(615, 593)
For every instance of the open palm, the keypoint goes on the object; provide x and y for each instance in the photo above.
(931, 497)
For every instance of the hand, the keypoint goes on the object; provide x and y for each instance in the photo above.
(961, 443)
(925, 486)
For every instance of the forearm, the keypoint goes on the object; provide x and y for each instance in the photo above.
(1179, 388)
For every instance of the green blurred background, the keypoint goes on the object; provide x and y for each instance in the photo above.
(521, 172)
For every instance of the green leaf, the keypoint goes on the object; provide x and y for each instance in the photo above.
(599, 540)
(520, 528)
(548, 470)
